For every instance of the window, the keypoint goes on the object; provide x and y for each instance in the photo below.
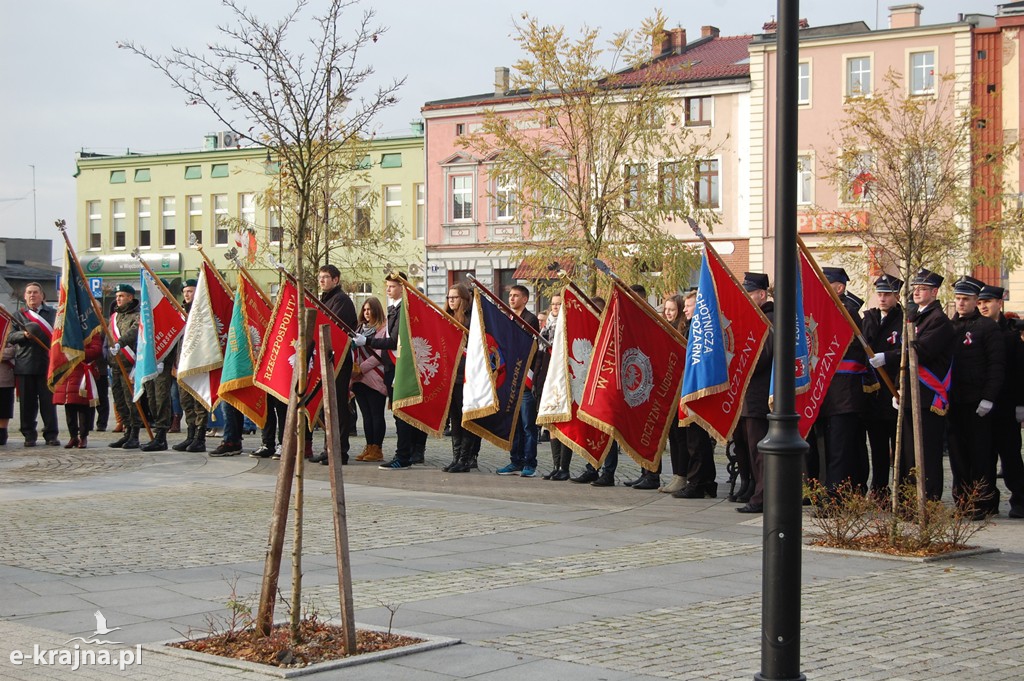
(219, 170)
(95, 218)
(195, 217)
(460, 129)
(804, 83)
(504, 280)
(390, 160)
(117, 177)
(247, 208)
(142, 175)
(923, 166)
(117, 219)
(275, 232)
(698, 110)
(858, 76)
(859, 178)
(393, 205)
(142, 222)
(459, 277)
(804, 179)
(420, 227)
(634, 185)
(462, 197)
(707, 185)
(168, 221)
(671, 185)
(922, 73)
(361, 221)
(193, 172)
(220, 215)
(504, 198)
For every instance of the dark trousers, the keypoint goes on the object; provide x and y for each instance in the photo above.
(371, 404)
(1006, 440)
(194, 412)
(750, 431)
(273, 428)
(103, 407)
(701, 453)
(972, 459)
(233, 420)
(410, 438)
(465, 444)
(524, 443)
(882, 441)
(35, 399)
(846, 454)
(933, 428)
(158, 399)
(678, 453)
(79, 419)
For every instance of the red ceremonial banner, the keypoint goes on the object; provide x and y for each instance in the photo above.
(168, 325)
(275, 366)
(633, 385)
(313, 401)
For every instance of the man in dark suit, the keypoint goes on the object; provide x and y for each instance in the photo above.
(523, 457)
(883, 330)
(337, 301)
(31, 363)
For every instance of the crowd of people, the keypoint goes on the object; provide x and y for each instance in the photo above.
(970, 384)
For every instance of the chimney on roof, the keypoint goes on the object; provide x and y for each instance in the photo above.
(905, 16)
(500, 80)
(661, 43)
(709, 31)
(773, 26)
(678, 38)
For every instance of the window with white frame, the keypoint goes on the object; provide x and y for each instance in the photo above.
(168, 221)
(804, 83)
(275, 233)
(858, 76)
(707, 188)
(804, 179)
(420, 227)
(552, 200)
(635, 185)
(461, 187)
(95, 218)
(195, 217)
(504, 198)
(671, 185)
(393, 205)
(143, 223)
(922, 73)
(361, 214)
(923, 166)
(698, 110)
(117, 221)
(860, 178)
(247, 208)
(220, 215)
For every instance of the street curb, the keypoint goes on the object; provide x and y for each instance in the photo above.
(953, 555)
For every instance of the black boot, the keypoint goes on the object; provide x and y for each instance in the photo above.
(3, 436)
(605, 479)
(198, 442)
(133, 438)
(649, 480)
(158, 443)
(183, 446)
(119, 442)
(743, 492)
(456, 458)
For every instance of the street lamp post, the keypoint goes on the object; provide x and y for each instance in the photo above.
(783, 448)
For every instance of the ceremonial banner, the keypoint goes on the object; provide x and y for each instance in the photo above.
(312, 402)
(168, 321)
(632, 388)
(727, 333)
(145, 347)
(827, 334)
(498, 356)
(430, 344)
(75, 326)
(276, 361)
(249, 319)
(5, 327)
(571, 351)
(206, 333)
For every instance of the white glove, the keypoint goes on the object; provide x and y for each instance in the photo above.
(984, 407)
(160, 367)
(896, 403)
(358, 341)
(115, 348)
(1019, 413)
(877, 360)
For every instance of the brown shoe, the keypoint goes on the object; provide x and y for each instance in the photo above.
(72, 443)
(363, 454)
(175, 424)
(83, 442)
(375, 453)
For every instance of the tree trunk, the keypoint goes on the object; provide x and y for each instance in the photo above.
(915, 412)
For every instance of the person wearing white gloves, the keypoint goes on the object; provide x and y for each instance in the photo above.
(124, 326)
(1009, 405)
(979, 366)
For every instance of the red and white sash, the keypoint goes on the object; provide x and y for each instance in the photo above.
(128, 352)
(37, 318)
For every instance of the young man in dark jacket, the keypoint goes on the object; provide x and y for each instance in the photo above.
(883, 330)
(31, 362)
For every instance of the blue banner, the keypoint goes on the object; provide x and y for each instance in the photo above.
(145, 349)
(707, 362)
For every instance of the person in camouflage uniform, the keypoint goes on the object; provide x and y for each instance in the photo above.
(194, 414)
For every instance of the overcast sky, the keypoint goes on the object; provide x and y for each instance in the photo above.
(65, 86)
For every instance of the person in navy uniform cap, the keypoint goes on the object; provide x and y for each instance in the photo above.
(882, 327)
(934, 346)
(840, 420)
(753, 424)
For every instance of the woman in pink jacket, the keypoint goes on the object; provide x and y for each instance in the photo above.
(368, 381)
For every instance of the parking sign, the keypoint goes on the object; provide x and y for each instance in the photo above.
(96, 287)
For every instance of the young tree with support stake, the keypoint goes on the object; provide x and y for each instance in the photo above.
(598, 158)
(301, 103)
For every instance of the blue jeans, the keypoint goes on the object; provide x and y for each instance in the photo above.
(232, 424)
(524, 444)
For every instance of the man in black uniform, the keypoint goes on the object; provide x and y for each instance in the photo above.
(753, 425)
(31, 362)
(846, 456)
(883, 329)
(934, 347)
(1006, 439)
(337, 301)
(978, 364)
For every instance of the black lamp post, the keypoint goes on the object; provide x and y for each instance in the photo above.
(783, 448)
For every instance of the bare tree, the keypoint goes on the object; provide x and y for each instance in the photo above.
(304, 104)
(597, 158)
